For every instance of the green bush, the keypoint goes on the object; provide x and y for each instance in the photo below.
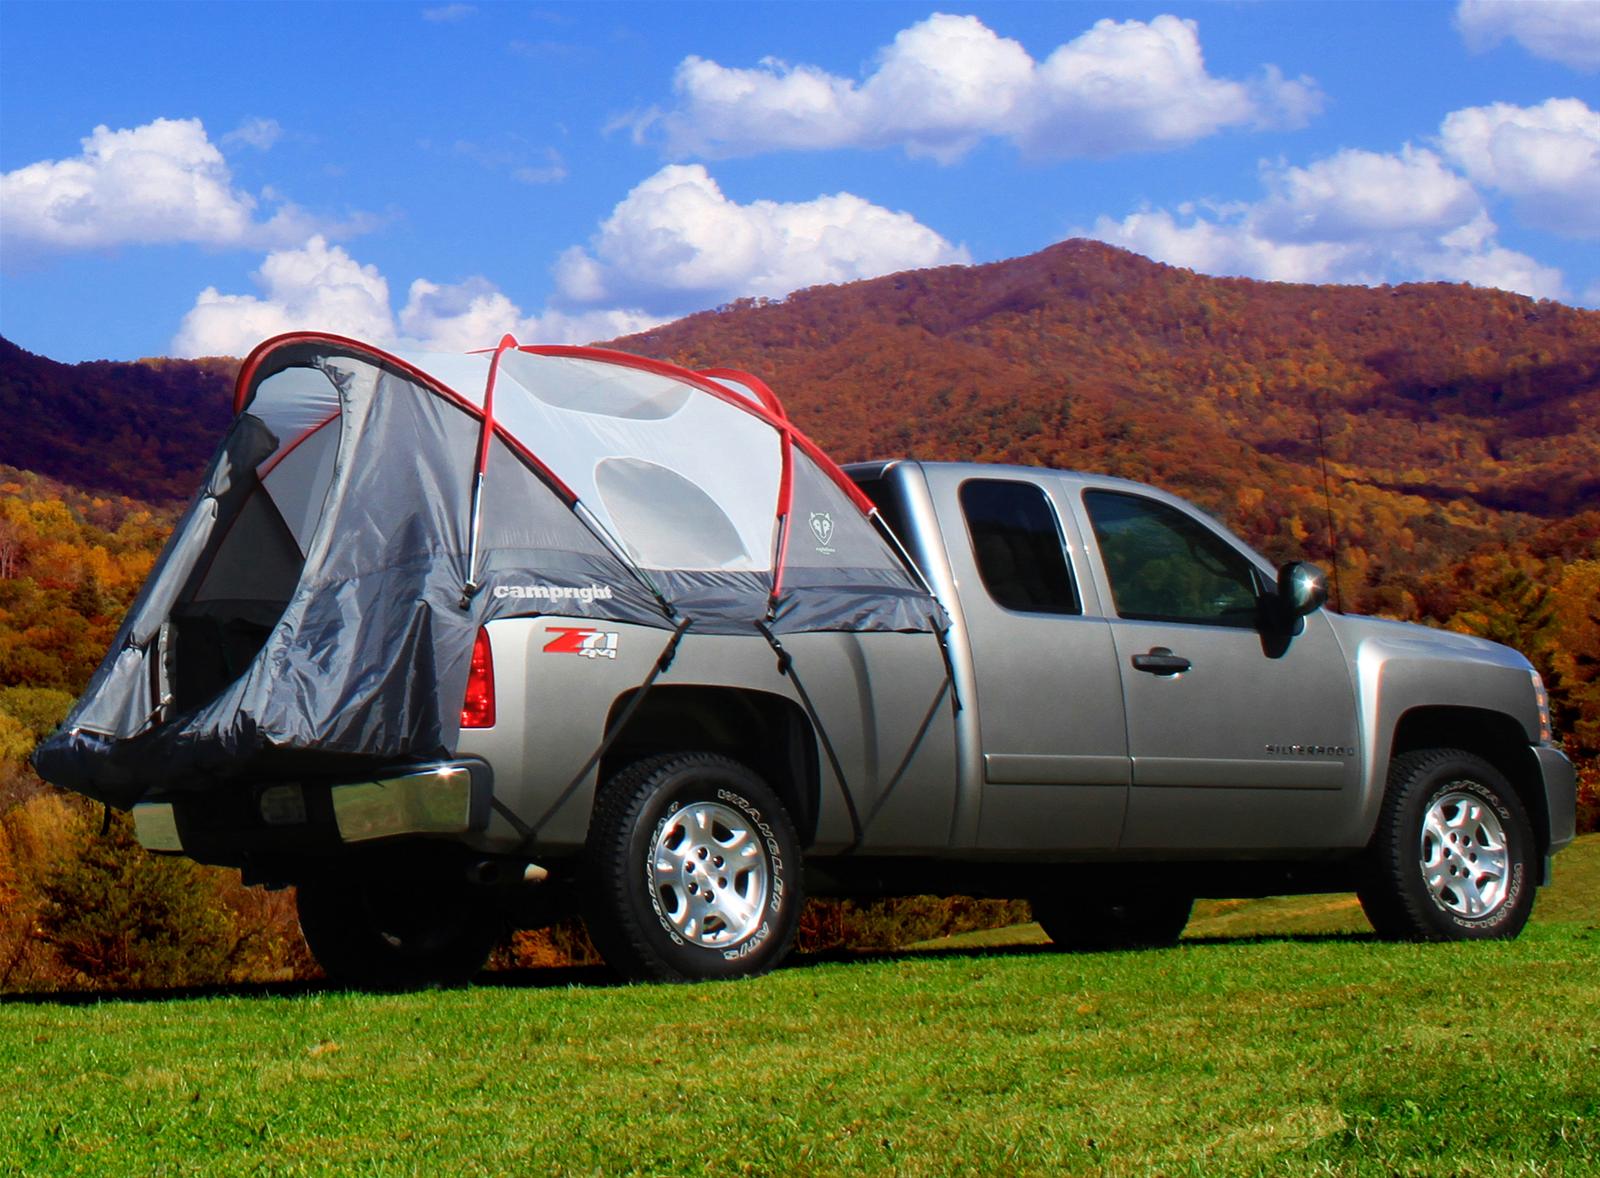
(1588, 796)
(16, 742)
(118, 917)
(40, 710)
(81, 911)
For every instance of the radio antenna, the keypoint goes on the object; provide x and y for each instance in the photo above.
(1317, 400)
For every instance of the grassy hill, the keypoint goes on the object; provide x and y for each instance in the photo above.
(1273, 1053)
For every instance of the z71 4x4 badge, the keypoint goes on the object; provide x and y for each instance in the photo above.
(591, 644)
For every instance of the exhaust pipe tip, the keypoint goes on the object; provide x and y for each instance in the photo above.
(489, 872)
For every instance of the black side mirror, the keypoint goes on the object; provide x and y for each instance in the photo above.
(1302, 588)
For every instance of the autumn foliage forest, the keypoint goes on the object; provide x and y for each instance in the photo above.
(1438, 445)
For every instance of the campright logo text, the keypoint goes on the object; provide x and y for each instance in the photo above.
(585, 594)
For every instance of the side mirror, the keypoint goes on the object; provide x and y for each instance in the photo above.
(1302, 588)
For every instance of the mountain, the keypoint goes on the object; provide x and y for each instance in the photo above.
(1447, 417)
(1086, 355)
(143, 429)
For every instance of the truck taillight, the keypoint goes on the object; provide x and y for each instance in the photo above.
(477, 709)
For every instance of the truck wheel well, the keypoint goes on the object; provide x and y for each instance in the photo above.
(766, 732)
(1495, 737)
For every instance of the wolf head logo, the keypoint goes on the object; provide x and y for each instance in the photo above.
(822, 527)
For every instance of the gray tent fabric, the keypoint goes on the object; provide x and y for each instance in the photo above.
(318, 602)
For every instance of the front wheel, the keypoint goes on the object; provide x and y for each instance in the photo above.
(1452, 858)
(378, 933)
(693, 872)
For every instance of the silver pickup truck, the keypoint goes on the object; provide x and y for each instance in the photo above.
(456, 641)
(1134, 710)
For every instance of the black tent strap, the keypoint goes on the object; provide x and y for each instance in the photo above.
(943, 634)
(510, 815)
(786, 667)
(615, 730)
(911, 751)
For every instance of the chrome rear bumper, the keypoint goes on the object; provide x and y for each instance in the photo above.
(449, 797)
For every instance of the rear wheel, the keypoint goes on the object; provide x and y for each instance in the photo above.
(1136, 920)
(694, 871)
(386, 934)
(1452, 858)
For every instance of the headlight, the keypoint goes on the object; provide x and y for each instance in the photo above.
(1541, 697)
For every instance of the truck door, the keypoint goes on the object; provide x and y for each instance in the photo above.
(1054, 747)
(1240, 736)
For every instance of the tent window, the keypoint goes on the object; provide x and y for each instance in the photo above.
(603, 389)
(295, 401)
(664, 520)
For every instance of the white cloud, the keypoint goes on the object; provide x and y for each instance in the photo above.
(317, 286)
(1356, 217)
(1471, 254)
(677, 243)
(948, 82)
(1356, 194)
(320, 287)
(476, 314)
(1565, 31)
(1134, 86)
(513, 159)
(258, 133)
(552, 171)
(160, 183)
(449, 13)
(674, 245)
(1546, 158)
(1219, 246)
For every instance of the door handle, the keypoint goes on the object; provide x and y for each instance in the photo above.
(1161, 661)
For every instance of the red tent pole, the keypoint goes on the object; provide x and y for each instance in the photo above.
(485, 433)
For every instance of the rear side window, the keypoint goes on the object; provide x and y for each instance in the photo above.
(1166, 566)
(1016, 543)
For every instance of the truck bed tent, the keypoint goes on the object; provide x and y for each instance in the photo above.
(367, 512)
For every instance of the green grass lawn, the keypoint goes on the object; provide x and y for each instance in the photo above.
(1276, 1039)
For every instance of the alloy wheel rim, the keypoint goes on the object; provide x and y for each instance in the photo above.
(1463, 855)
(712, 879)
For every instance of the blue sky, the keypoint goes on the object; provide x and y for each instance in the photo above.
(187, 179)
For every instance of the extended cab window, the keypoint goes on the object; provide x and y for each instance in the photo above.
(1016, 543)
(1166, 566)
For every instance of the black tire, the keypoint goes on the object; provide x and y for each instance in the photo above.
(377, 933)
(656, 825)
(1427, 883)
(1140, 920)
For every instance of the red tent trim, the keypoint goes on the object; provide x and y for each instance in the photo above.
(254, 361)
(770, 410)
